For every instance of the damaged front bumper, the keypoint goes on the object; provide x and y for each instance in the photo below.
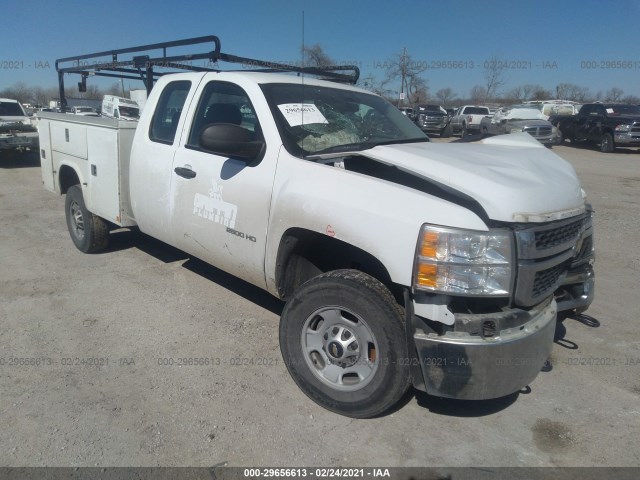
(18, 140)
(487, 355)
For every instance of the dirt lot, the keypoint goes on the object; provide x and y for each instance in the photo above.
(142, 305)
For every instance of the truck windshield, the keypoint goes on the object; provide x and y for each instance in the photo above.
(130, 112)
(476, 111)
(315, 120)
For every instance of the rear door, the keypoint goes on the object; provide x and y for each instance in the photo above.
(222, 204)
(154, 146)
(582, 121)
(596, 120)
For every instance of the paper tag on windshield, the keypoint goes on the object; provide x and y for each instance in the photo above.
(301, 113)
(609, 110)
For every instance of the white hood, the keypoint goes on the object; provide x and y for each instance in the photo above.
(513, 177)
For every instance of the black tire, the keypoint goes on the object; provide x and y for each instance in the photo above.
(318, 310)
(606, 143)
(89, 232)
(446, 132)
(464, 132)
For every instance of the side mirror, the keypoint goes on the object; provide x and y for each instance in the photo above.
(231, 141)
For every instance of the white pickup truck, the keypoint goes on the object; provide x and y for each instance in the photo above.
(466, 119)
(402, 262)
(17, 130)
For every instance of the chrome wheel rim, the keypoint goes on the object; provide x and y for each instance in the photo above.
(339, 348)
(77, 220)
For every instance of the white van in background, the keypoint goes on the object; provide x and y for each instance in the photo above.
(119, 107)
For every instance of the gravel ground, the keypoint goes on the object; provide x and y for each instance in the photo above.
(103, 325)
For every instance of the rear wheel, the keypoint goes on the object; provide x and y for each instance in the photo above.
(89, 232)
(343, 341)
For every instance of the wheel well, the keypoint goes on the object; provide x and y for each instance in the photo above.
(67, 178)
(304, 254)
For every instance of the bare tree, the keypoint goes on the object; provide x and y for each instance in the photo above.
(402, 67)
(614, 94)
(569, 91)
(494, 75)
(540, 93)
(445, 95)
(379, 87)
(315, 56)
(631, 99)
(18, 91)
(516, 95)
(478, 94)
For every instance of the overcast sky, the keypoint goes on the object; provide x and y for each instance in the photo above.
(590, 43)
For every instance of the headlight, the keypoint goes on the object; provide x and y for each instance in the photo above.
(464, 262)
(623, 128)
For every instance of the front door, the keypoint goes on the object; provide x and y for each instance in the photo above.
(222, 204)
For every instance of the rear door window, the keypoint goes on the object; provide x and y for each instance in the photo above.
(167, 115)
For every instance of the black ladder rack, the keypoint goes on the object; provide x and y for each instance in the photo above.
(142, 66)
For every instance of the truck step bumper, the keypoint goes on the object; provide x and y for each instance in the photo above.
(461, 366)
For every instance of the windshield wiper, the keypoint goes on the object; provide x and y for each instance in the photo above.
(405, 140)
(352, 147)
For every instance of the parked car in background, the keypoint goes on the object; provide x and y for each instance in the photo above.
(432, 119)
(521, 118)
(608, 125)
(120, 107)
(16, 128)
(555, 107)
(467, 119)
(408, 111)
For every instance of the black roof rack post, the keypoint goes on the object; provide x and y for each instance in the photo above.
(149, 78)
(63, 98)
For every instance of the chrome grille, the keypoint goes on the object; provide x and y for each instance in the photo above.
(545, 254)
(547, 280)
(538, 131)
(550, 238)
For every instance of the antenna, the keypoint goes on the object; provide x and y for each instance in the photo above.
(302, 79)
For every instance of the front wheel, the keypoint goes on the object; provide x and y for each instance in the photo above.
(464, 132)
(89, 232)
(343, 341)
